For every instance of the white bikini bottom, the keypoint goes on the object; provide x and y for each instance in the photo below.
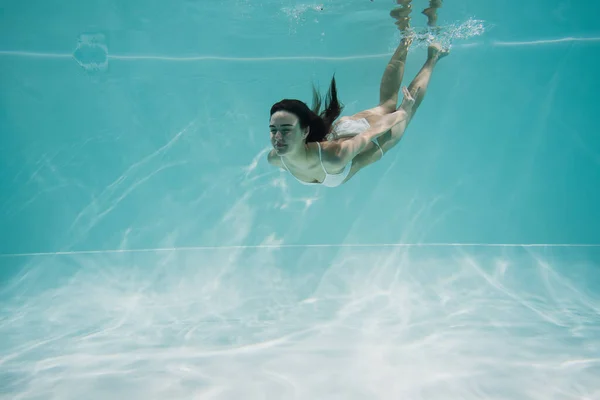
(349, 128)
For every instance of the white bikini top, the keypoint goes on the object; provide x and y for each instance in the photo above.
(331, 180)
(344, 128)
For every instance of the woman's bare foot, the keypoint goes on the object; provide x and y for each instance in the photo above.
(436, 52)
(406, 42)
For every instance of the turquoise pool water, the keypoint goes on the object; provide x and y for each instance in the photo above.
(148, 251)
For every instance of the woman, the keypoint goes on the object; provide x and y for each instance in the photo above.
(316, 151)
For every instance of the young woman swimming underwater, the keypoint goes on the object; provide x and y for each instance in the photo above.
(317, 149)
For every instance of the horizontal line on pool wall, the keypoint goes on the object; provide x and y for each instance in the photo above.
(149, 57)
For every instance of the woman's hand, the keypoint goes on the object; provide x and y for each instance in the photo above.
(408, 101)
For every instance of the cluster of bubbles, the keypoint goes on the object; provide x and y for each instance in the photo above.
(296, 14)
(446, 35)
(297, 11)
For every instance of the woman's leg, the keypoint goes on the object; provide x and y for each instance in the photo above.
(417, 89)
(418, 86)
(390, 85)
(394, 71)
(392, 78)
(398, 121)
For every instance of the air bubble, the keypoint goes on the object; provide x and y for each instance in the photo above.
(91, 52)
(446, 35)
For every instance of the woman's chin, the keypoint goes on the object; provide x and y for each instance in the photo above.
(281, 150)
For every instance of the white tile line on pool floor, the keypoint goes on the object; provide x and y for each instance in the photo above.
(289, 246)
(33, 54)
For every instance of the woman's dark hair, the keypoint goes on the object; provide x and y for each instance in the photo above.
(319, 122)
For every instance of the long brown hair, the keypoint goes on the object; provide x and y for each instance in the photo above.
(319, 121)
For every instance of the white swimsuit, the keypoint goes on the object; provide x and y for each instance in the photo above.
(345, 128)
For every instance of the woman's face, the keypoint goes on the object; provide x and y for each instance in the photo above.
(286, 133)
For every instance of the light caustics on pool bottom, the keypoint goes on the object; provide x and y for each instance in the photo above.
(334, 323)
